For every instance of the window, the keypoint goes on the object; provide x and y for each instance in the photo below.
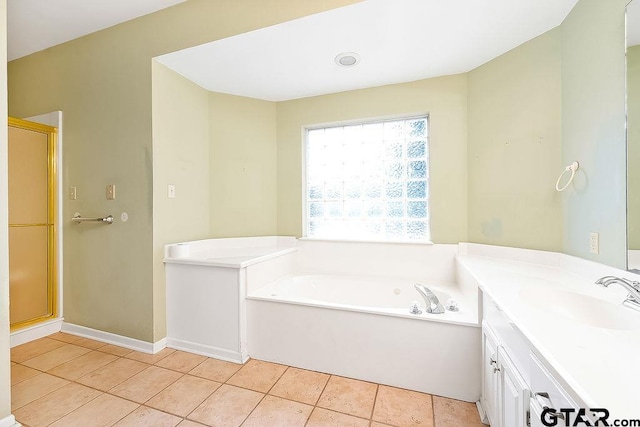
(368, 181)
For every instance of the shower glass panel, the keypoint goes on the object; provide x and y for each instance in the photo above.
(32, 234)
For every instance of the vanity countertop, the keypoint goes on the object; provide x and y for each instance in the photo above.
(599, 364)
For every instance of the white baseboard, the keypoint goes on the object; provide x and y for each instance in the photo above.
(35, 332)
(109, 338)
(9, 421)
(483, 415)
(206, 350)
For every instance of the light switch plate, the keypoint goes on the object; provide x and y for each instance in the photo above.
(594, 243)
(73, 193)
(171, 191)
(111, 192)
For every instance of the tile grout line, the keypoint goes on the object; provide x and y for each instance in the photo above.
(265, 394)
(375, 401)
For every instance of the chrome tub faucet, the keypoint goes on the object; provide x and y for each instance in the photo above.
(431, 301)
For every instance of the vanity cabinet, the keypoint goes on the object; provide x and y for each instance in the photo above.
(505, 394)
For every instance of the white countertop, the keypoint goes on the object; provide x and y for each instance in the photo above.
(600, 365)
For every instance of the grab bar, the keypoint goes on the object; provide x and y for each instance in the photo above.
(78, 219)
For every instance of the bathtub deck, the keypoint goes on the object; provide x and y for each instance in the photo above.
(68, 380)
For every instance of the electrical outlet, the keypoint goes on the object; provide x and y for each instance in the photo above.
(111, 192)
(73, 193)
(171, 191)
(594, 243)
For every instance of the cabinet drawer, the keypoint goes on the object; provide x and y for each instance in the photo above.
(543, 382)
(508, 335)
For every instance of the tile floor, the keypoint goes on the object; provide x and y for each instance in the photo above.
(64, 380)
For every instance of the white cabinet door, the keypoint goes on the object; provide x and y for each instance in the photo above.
(490, 377)
(514, 394)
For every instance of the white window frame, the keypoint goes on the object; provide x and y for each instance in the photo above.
(305, 133)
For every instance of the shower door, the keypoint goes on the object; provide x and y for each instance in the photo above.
(32, 234)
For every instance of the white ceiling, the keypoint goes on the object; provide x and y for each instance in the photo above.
(34, 25)
(398, 41)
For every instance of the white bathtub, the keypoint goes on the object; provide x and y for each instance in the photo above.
(360, 327)
(384, 296)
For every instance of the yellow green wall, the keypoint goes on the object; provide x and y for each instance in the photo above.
(243, 166)
(593, 129)
(514, 147)
(443, 98)
(5, 365)
(181, 158)
(633, 145)
(103, 84)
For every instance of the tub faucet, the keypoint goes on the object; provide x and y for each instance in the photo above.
(633, 299)
(431, 301)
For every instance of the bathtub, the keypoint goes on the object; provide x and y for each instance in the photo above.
(375, 295)
(335, 307)
(361, 327)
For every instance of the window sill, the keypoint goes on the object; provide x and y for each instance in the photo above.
(392, 242)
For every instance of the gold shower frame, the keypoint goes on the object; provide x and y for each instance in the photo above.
(52, 233)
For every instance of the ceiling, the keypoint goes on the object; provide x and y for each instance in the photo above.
(397, 40)
(34, 25)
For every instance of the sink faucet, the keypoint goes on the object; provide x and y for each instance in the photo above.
(633, 299)
(431, 301)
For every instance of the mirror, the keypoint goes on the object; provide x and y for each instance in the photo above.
(633, 135)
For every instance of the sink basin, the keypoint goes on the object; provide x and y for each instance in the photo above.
(582, 308)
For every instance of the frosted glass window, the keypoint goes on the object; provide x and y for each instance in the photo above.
(368, 181)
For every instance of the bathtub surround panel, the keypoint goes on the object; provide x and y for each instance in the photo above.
(180, 158)
(103, 83)
(514, 147)
(443, 98)
(205, 311)
(425, 356)
(406, 261)
(593, 129)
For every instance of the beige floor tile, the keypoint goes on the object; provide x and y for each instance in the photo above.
(228, 406)
(184, 395)
(34, 388)
(257, 375)
(455, 413)
(326, 418)
(89, 343)
(20, 373)
(215, 370)
(61, 336)
(403, 407)
(114, 373)
(350, 396)
(34, 348)
(115, 350)
(149, 358)
(55, 405)
(181, 361)
(274, 411)
(188, 423)
(377, 424)
(148, 417)
(300, 385)
(56, 357)
(103, 411)
(146, 384)
(76, 368)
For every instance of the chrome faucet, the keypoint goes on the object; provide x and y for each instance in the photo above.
(431, 301)
(633, 298)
